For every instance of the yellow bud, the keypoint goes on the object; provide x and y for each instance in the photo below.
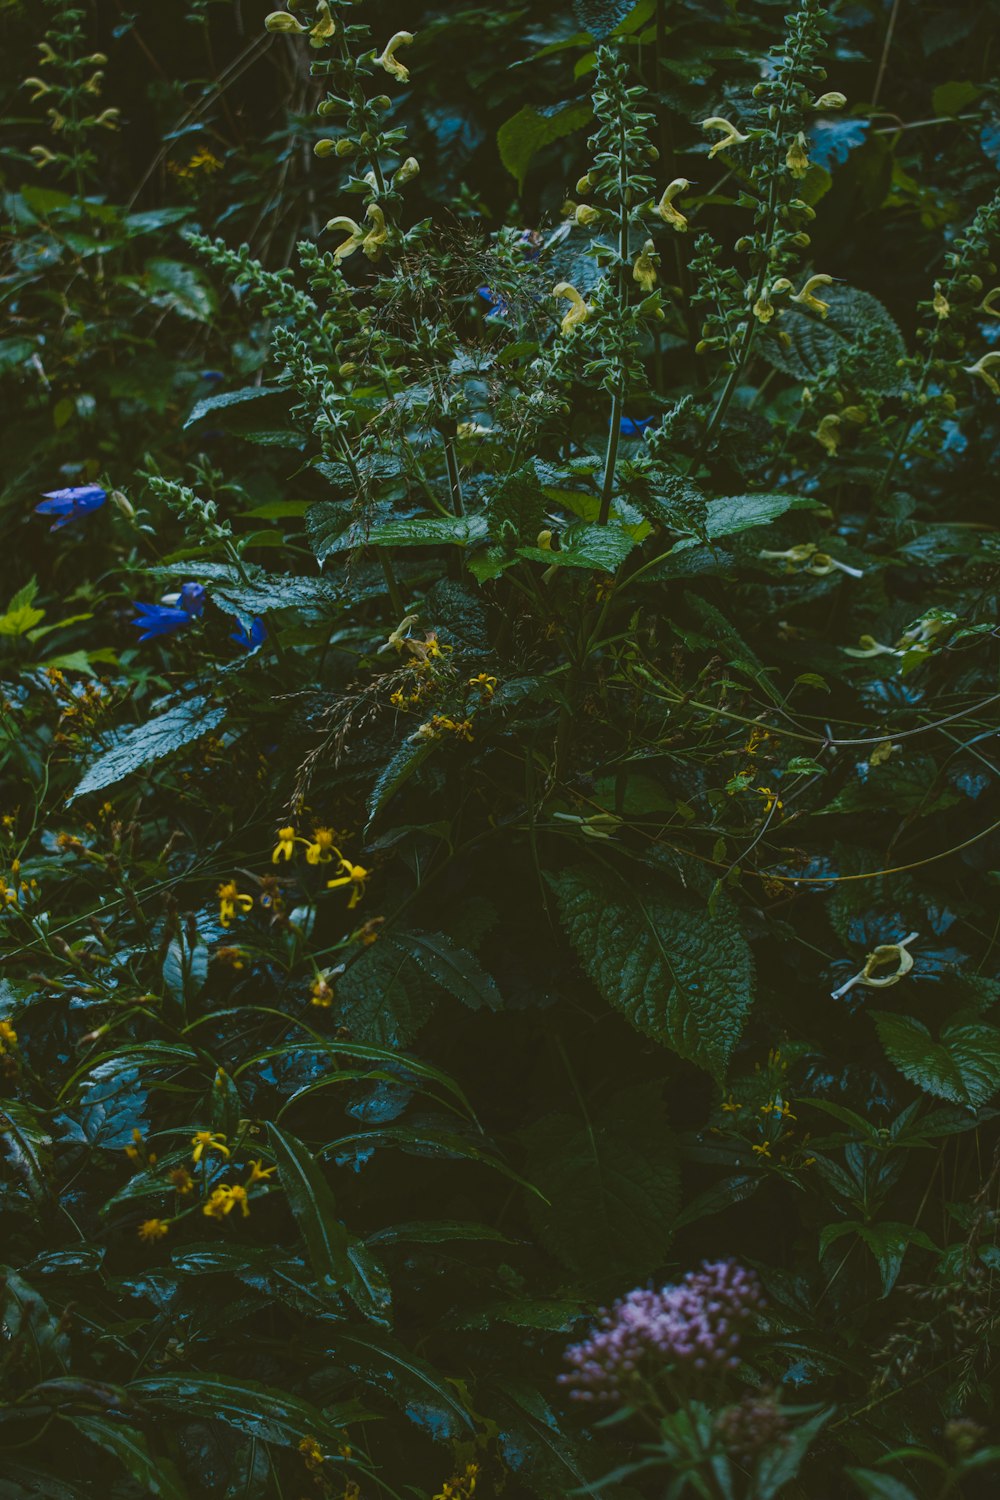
(280, 21)
(345, 146)
(40, 87)
(325, 147)
(830, 101)
(406, 173)
(584, 185)
(585, 215)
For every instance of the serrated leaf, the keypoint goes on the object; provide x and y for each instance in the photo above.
(182, 288)
(451, 967)
(147, 743)
(311, 1200)
(602, 547)
(963, 1066)
(399, 769)
(382, 998)
(617, 1167)
(732, 513)
(273, 1416)
(819, 344)
(521, 137)
(226, 399)
(680, 975)
(275, 591)
(429, 531)
(517, 501)
(157, 1476)
(600, 17)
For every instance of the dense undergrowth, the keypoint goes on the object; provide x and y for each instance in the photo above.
(500, 792)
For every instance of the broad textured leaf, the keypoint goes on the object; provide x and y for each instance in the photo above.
(183, 289)
(424, 1394)
(276, 591)
(398, 770)
(516, 502)
(521, 137)
(451, 967)
(147, 743)
(612, 1182)
(268, 1414)
(157, 1476)
(383, 997)
(531, 1439)
(963, 1066)
(311, 1200)
(820, 343)
(583, 546)
(227, 399)
(780, 1463)
(681, 976)
(428, 531)
(732, 513)
(600, 17)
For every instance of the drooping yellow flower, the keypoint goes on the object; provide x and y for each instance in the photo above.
(771, 799)
(321, 993)
(644, 269)
(665, 208)
(238, 1197)
(832, 100)
(389, 60)
(355, 237)
(377, 235)
(281, 21)
(208, 1140)
(485, 683)
(827, 434)
(941, 305)
(982, 368)
(259, 1173)
(322, 849)
(312, 1454)
(406, 172)
(730, 136)
(797, 156)
(285, 847)
(586, 215)
(764, 1149)
(325, 28)
(8, 1036)
(806, 298)
(231, 901)
(151, 1230)
(892, 956)
(353, 875)
(39, 85)
(578, 312)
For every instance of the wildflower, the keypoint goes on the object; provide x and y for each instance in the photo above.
(833, 100)
(801, 552)
(70, 504)
(869, 646)
(730, 137)
(181, 1181)
(388, 59)
(827, 434)
(665, 208)
(250, 639)
(208, 1140)
(259, 1173)
(322, 849)
(325, 28)
(280, 21)
(219, 1204)
(354, 876)
(108, 119)
(797, 157)
(321, 992)
(377, 235)
(763, 1150)
(312, 1453)
(231, 901)
(285, 847)
(634, 427)
(982, 368)
(771, 799)
(355, 237)
(882, 957)
(238, 1195)
(694, 1324)
(940, 304)
(176, 611)
(8, 1036)
(986, 305)
(485, 683)
(587, 216)
(398, 637)
(821, 563)
(367, 933)
(579, 312)
(499, 306)
(805, 297)
(644, 269)
(406, 172)
(151, 1230)
(43, 156)
(39, 85)
(460, 1486)
(750, 1428)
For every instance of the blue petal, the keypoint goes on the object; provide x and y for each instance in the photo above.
(253, 638)
(635, 426)
(158, 619)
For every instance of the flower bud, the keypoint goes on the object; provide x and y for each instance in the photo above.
(325, 147)
(406, 173)
(281, 21)
(98, 59)
(830, 101)
(584, 185)
(380, 101)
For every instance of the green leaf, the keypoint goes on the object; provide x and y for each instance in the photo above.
(615, 1169)
(880, 1486)
(181, 288)
(732, 513)
(600, 17)
(21, 615)
(779, 1465)
(424, 1394)
(583, 546)
(185, 969)
(521, 137)
(451, 967)
(157, 1476)
(819, 344)
(952, 98)
(147, 743)
(226, 399)
(273, 1416)
(383, 998)
(517, 503)
(680, 975)
(399, 769)
(311, 1200)
(429, 531)
(963, 1066)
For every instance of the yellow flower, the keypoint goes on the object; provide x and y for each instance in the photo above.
(771, 799)
(377, 235)
(730, 137)
(278, 20)
(232, 900)
(321, 992)
(869, 646)
(797, 157)
(487, 685)
(806, 298)
(151, 1230)
(285, 847)
(8, 1036)
(322, 849)
(238, 1195)
(579, 312)
(40, 87)
(355, 237)
(181, 1181)
(986, 305)
(259, 1173)
(312, 1453)
(406, 172)
(982, 368)
(325, 28)
(207, 1140)
(764, 1149)
(940, 304)
(644, 269)
(665, 208)
(763, 308)
(586, 216)
(827, 434)
(398, 638)
(388, 59)
(219, 1204)
(730, 1106)
(833, 100)
(882, 957)
(355, 876)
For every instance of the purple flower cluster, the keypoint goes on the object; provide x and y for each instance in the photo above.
(694, 1325)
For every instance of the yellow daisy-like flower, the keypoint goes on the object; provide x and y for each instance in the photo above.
(578, 313)
(322, 849)
(151, 1230)
(181, 1181)
(8, 1036)
(486, 684)
(231, 901)
(219, 1204)
(259, 1173)
(388, 59)
(208, 1140)
(764, 1149)
(355, 876)
(285, 847)
(312, 1453)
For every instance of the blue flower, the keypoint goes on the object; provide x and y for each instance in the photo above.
(174, 613)
(634, 427)
(250, 639)
(70, 504)
(499, 306)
